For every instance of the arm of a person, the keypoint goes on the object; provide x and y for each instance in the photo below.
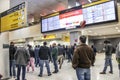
(106, 48)
(91, 55)
(75, 60)
(15, 55)
(49, 54)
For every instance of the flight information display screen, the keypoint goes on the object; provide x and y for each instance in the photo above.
(51, 23)
(100, 13)
(66, 19)
(72, 18)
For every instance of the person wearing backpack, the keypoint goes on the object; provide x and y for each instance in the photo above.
(118, 56)
(108, 57)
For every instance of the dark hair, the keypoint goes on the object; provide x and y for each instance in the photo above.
(44, 43)
(82, 39)
(11, 43)
(59, 45)
(106, 41)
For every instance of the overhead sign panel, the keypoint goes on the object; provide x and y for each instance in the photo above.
(14, 18)
(95, 3)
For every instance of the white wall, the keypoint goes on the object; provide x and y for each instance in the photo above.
(4, 55)
(4, 5)
(4, 38)
(27, 32)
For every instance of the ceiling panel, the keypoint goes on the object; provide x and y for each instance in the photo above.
(37, 7)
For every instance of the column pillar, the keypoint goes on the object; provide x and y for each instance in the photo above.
(4, 54)
(4, 40)
(74, 37)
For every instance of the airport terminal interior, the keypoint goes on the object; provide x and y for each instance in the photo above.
(59, 24)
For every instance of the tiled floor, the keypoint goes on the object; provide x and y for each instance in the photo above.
(68, 73)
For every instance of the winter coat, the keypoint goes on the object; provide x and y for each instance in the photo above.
(22, 56)
(12, 51)
(54, 53)
(44, 53)
(82, 57)
(118, 53)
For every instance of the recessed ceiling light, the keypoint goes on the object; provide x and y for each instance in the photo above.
(54, 10)
(89, 31)
(116, 28)
(69, 6)
(90, 1)
(95, 33)
(104, 37)
(41, 15)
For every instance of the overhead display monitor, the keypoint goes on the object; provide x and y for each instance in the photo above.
(81, 15)
(100, 13)
(50, 22)
(66, 19)
(14, 18)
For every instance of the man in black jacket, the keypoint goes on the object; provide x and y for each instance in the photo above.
(44, 55)
(12, 51)
(108, 57)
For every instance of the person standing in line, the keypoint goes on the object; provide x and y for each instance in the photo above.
(82, 60)
(44, 55)
(36, 51)
(12, 51)
(32, 60)
(118, 56)
(94, 55)
(54, 53)
(108, 57)
(22, 57)
(69, 53)
(60, 55)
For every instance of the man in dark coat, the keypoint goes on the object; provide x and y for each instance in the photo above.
(82, 60)
(44, 55)
(12, 51)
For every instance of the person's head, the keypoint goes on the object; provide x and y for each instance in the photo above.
(11, 43)
(106, 41)
(92, 46)
(29, 46)
(44, 43)
(59, 45)
(82, 39)
(54, 44)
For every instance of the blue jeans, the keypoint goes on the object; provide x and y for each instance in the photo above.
(19, 71)
(37, 61)
(108, 62)
(47, 66)
(12, 68)
(83, 74)
(55, 65)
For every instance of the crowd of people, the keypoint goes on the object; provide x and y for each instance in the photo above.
(81, 56)
(24, 57)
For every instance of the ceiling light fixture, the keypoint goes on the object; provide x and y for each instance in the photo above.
(41, 15)
(116, 28)
(54, 10)
(95, 33)
(90, 1)
(90, 31)
(69, 6)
